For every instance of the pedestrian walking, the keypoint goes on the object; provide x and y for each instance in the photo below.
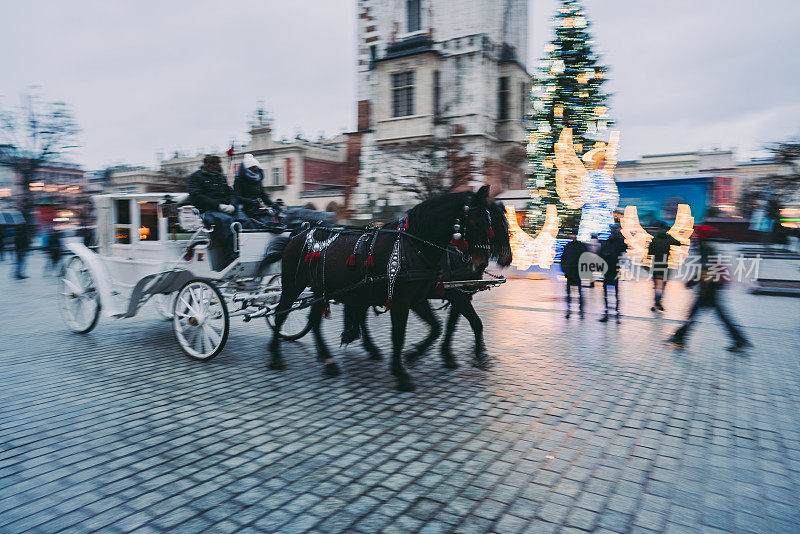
(2, 244)
(569, 265)
(710, 283)
(593, 246)
(54, 251)
(21, 244)
(658, 250)
(611, 250)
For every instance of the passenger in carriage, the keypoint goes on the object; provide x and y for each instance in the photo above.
(249, 191)
(210, 193)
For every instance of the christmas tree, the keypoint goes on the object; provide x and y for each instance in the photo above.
(566, 94)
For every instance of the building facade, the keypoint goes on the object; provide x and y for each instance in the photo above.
(299, 172)
(725, 177)
(434, 70)
(57, 188)
(140, 180)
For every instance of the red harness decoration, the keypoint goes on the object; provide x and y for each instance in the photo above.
(311, 256)
(460, 244)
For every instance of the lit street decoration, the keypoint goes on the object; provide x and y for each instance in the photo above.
(570, 172)
(637, 238)
(682, 231)
(527, 250)
(594, 189)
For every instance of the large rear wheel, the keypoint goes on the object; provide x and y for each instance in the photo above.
(78, 297)
(200, 320)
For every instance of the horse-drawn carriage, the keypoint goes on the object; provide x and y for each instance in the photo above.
(154, 247)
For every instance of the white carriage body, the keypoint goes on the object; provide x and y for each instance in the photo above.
(136, 239)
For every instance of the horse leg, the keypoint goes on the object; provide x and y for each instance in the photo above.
(399, 322)
(425, 312)
(477, 328)
(352, 322)
(452, 319)
(323, 354)
(288, 296)
(366, 339)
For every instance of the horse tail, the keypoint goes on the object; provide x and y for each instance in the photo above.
(274, 251)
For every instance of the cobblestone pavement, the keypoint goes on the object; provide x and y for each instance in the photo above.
(578, 426)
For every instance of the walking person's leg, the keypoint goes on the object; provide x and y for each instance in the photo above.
(604, 318)
(569, 291)
(580, 298)
(679, 337)
(739, 339)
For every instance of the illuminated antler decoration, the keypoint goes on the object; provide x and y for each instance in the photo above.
(682, 231)
(635, 236)
(527, 250)
(571, 175)
(638, 239)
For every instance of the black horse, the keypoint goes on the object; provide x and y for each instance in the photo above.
(460, 301)
(397, 268)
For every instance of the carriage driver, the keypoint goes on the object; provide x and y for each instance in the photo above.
(249, 190)
(210, 193)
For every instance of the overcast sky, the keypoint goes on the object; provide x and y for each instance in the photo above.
(158, 76)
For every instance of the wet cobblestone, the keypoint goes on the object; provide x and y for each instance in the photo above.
(578, 426)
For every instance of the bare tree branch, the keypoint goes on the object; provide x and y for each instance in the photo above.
(35, 133)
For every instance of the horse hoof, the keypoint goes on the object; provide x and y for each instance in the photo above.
(412, 358)
(450, 364)
(277, 366)
(375, 355)
(406, 385)
(481, 363)
(332, 369)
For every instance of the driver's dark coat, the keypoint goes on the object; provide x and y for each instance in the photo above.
(207, 190)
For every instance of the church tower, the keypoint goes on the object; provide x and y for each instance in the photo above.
(434, 72)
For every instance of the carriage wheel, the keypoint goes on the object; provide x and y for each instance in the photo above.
(200, 320)
(164, 304)
(78, 297)
(297, 323)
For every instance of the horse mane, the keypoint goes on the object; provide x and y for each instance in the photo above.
(500, 245)
(437, 213)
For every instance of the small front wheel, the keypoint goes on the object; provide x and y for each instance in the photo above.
(200, 320)
(78, 297)
(298, 320)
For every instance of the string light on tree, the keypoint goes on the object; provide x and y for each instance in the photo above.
(566, 94)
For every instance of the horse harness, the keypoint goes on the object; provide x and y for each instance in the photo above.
(317, 249)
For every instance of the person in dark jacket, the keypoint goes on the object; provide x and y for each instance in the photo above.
(659, 253)
(21, 242)
(610, 250)
(54, 251)
(210, 193)
(569, 265)
(711, 282)
(249, 191)
(2, 244)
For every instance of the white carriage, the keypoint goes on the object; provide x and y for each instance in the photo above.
(154, 247)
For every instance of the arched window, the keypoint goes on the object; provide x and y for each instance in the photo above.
(310, 206)
(332, 207)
